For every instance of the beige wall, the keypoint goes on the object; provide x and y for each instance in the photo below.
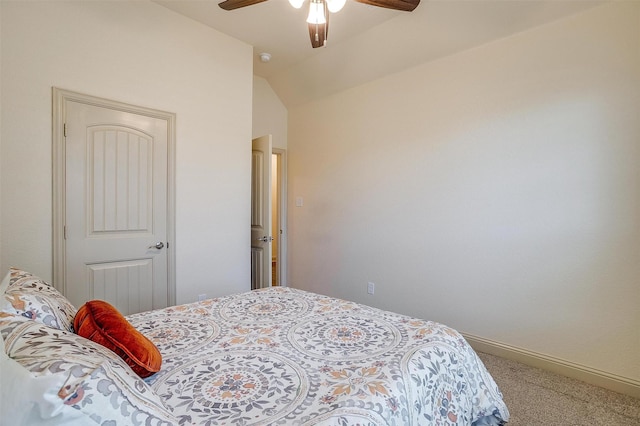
(496, 191)
(269, 114)
(1, 234)
(270, 118)
(140, 53)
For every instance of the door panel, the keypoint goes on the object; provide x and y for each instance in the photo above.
(119, 177)
(123, 284)
(116, 207)
(261, 213)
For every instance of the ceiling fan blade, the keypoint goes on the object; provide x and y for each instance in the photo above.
(237, 4)
(404, 5)
(318, 34)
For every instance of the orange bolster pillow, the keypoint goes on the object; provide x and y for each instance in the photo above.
(100, 322)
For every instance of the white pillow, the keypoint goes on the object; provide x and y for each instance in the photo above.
(33, 400)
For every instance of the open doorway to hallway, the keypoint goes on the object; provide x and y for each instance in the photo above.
(279, 217)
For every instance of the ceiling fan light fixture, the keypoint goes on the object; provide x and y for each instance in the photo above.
(297, 3)
(335, 5)
(319, 11)
(316, 12)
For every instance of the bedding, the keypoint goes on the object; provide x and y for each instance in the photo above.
(51, 376)
(285, 356)
(276, 356)
(94, 384)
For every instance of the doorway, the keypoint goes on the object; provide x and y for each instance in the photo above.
(268, 214)
(279, 215)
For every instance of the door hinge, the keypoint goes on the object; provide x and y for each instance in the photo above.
(64, 232)
(64, 130)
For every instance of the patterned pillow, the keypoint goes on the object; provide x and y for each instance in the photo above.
(31, 297)
(97, 382)
(17, 273)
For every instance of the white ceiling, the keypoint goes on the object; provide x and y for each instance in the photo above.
(366, 42)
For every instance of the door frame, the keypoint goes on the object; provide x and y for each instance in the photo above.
(282, 216)
(59, 98)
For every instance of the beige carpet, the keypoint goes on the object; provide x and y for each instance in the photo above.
(538, 397)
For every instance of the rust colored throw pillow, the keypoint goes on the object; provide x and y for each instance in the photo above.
(100, 322)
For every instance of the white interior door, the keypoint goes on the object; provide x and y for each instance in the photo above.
(116, 165)
(261, 213)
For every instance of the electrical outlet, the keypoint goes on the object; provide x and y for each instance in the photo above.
(201, 297)
(371, 288)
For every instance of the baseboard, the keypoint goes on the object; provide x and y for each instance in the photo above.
(566, 368)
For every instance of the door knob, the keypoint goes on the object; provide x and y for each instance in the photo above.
(265, 239)
(158, 245)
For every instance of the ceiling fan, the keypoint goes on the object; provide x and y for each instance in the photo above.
(318, 19)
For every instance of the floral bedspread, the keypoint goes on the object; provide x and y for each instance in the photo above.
(285, 356)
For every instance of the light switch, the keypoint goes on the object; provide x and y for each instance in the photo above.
(299, 201)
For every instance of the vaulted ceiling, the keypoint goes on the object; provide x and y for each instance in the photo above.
(366, 42)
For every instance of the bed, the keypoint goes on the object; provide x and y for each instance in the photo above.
(276, 356)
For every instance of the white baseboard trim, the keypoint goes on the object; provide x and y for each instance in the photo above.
(566, 368)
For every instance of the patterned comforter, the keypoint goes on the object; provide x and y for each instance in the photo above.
(285, 356)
